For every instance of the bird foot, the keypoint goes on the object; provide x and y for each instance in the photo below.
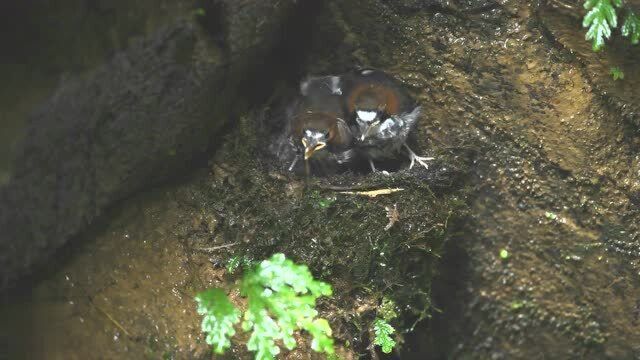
(374, 170)
(373, 166)
(420, 159)
(293, 164)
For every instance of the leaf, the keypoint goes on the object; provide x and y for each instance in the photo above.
(219, 318)
(387, 309)
(321, 333)
(616, 73)
(631, 27)
(326, 202)
(281, 300)
(600, 19)
(235, 262)
(383, 332)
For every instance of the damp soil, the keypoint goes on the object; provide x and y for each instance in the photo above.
(534, 157)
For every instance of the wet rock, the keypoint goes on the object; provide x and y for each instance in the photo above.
(139, 119)
(554, 185)
(99, 139)
(560, 19)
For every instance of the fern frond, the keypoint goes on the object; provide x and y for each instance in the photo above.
(600, 19)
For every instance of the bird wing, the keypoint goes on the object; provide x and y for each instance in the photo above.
(407, 122)
(345, 156)
(344, 136)
(321, 84)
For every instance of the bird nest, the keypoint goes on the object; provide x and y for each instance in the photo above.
(372, 236)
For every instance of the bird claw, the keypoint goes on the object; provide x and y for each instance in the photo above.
(420, 159)
(374, 170)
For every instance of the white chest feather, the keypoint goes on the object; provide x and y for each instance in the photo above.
(366, 116)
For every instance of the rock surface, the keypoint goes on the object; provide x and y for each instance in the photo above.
(547, 263)
(139, 119)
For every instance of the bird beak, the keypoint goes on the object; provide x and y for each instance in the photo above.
(309, 150)
(369, 129)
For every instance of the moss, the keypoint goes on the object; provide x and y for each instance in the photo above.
(341, 237)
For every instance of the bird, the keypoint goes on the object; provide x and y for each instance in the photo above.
(317, 130)
(381, 115)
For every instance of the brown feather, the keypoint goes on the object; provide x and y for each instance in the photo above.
(339, 133)
(373, 96)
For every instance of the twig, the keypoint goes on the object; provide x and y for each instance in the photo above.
(216, 248)
(373, 193)
(345, 188)
(117, 324)
(615, 282)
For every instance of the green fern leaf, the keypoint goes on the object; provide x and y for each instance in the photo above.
(383, 332)
(631, 27)
(281, 300)
(600, 19)
(219, 317)
(616, 73)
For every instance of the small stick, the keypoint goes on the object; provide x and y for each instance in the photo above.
(216, 248)
(344, 188)
(117, 324)
(373, 193)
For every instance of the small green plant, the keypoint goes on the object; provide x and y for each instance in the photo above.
(616, 73)
(281, 299)
(383, 332)
(235, 262)
(631, 27)
(321, 202)
(387, 309)
(601, 19)
(517, 305)
(219, 317)
(326, 202)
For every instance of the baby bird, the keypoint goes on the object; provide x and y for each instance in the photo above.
(317, 127)
(382, 113)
